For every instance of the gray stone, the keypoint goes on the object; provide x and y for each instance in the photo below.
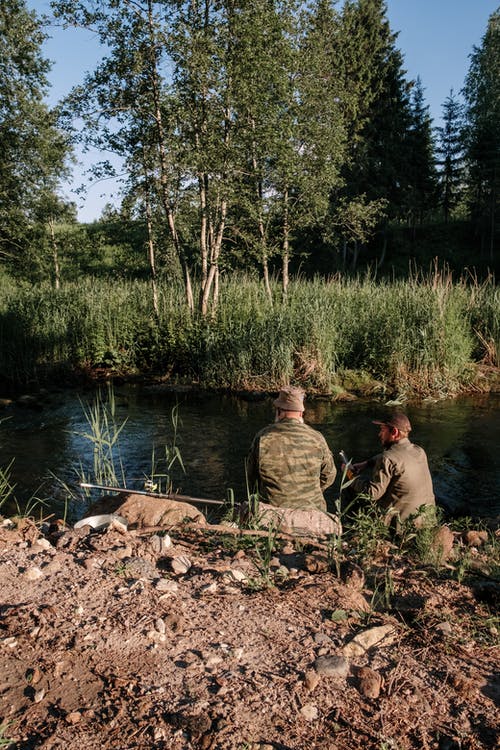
(332, 666)
(165, 585)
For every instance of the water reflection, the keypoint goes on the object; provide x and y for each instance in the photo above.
(461, 437)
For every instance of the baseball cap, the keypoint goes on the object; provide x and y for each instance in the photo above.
(398, 420)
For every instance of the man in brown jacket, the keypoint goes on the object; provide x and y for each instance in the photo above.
(400, 480)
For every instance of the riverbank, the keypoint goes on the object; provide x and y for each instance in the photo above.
(351, 386)
(192, 639)
(417, 338)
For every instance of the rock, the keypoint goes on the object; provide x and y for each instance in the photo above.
(353, 575)
(311, 679)
(117, 525)
(73, 717)
(475, 538)
(444, 627)
(33, 574)
(332, 666)
(237, 575)
(138, 566)
(180, 564)
(54, 566)
(166, 585)
(123, 552)
(282, 572)
(41, 545)
(33, 676)
(160, 625)
(381, 636)
(160, 543)
(141, 511)
(316, 562)
(369, 682)
(322, 639)
(442, 544)
(309, 711)
(209, 588)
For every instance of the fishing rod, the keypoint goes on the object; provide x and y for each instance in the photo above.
(160, 495)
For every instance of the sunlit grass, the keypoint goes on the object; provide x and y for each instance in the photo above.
(420, 333)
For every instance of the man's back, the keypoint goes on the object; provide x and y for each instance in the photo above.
(292, 464)
(401, 478)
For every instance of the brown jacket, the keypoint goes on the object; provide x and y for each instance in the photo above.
(401, 479)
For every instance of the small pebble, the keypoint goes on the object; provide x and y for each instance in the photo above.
(33, 574)
(180, 565)
(311, 679)
(309, 711)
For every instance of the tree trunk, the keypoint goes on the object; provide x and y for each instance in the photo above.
(164, 177)
(355, 255)
(286, 245)
(260, 220)
(151, 255)
(55, 255)
(215, 247)
(384, 251)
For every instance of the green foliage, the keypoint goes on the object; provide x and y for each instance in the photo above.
(160, 478)
(422, 335)
(4, 741)
(6, 488)
(263, 554)
(367, 528)
(482, 114)
(104, 434)
(33, 150)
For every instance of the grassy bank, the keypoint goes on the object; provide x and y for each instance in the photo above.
(422, 335)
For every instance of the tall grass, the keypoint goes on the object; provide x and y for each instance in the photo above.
(422, 333)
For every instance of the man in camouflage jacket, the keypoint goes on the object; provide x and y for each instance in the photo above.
(289, 463)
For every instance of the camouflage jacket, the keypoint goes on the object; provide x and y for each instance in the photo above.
(400, 480)
(290, 464)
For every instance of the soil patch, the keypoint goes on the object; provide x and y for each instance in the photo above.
(192, 639)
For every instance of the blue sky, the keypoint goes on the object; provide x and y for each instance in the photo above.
(436, 38)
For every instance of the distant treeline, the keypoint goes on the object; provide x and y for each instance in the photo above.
(419, 336)
(254, 136)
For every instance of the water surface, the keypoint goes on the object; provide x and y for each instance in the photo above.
(461, 437)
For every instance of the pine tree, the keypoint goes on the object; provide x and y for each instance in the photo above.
(449, 153)
(420, 170)
(378, 117)
(482, 96)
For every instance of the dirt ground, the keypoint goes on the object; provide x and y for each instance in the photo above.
(130, 639)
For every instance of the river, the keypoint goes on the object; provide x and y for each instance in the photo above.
(461, 437)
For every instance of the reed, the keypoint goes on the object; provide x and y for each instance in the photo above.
(421, 334)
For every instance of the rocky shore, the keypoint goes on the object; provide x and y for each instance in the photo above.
(194, 636)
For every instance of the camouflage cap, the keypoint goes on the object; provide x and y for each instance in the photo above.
(398, 420)
(290, 398)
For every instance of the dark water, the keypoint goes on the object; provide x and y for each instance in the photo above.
(461, 437)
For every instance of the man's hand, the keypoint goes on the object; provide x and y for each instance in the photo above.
(349, 472)
(361, 466)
